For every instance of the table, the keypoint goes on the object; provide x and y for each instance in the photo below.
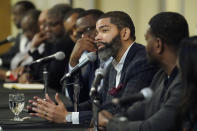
(35, 123)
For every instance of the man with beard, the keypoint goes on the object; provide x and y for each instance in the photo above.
(127, 74)
(163, 37)
(56, 41)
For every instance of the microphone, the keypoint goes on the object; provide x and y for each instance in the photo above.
(7, 40)
(99, 74)
(145, 94)
(90, 57)
(57, 56)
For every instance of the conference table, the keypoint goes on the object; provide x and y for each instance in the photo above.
(34, 123)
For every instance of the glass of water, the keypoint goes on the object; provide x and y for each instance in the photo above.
(16, 104)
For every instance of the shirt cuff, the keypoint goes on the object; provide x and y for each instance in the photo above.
(75, 117)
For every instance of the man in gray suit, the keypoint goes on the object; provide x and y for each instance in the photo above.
(163, 36)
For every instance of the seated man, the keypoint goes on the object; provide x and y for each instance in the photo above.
(127, 74)
(84, 33)
(163, 37)
(54, 39)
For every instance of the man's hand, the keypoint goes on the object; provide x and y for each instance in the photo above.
(83, 44)
(104, 117)
(18, 71)
(24, 78)
(38, 39)
(47, 109)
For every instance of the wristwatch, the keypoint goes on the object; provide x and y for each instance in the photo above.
(69, 117)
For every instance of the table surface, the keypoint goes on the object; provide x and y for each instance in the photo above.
(34, 123)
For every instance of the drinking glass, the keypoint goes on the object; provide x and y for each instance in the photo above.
(16, 104)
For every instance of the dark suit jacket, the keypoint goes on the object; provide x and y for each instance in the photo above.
(136, 74)
(6, 57)
(85, 79)
(56, 69)
(152, 115)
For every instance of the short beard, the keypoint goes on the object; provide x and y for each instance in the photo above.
(110, 49)
(52, 39)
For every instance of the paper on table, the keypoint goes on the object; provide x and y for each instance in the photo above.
(20, 86)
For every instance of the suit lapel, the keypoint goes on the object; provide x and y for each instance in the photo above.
(174, 82)
(129, 58)
(131, 53)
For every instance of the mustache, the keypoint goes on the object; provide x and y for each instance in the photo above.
(106, 45)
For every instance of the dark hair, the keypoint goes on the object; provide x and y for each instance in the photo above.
(72, 11)
(121, 20)
(34, 15)
(59, 11)
(170, 27)
(188, 66)
(27, 5)
(94, 12)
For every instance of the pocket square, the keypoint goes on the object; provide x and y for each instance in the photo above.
(113, 91)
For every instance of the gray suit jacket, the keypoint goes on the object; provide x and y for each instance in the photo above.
(152, 115)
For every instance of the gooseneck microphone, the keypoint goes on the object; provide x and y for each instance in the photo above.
(90, 57)
(145, 93)
(99, 75)
(57, 56)
(7, 40)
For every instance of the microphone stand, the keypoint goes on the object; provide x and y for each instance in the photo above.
(95, 107)
(45, 77)
(76, 87)
(95, 110)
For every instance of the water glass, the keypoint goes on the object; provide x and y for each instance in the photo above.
(16, 104)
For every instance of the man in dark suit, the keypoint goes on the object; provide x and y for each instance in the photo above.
(56, 41)
(84, 33)
(163, 37)
(115, 38)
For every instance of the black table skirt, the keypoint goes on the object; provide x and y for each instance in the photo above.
(35, 123)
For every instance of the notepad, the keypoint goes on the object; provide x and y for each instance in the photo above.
(20, 86)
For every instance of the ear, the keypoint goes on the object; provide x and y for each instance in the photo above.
(125, 33)
(159, 46)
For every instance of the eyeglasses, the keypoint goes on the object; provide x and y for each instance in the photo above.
(53, 24)
(89, 31)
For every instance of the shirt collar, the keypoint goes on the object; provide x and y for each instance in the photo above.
(118, 66)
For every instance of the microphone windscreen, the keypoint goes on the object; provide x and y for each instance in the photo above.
(147, 93)
(11, 38)
(59, 55)
(100, 71)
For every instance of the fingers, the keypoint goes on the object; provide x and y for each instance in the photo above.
(106, 114)
(42, 115)
(48, 99)
(41, 109)
(59, 101)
